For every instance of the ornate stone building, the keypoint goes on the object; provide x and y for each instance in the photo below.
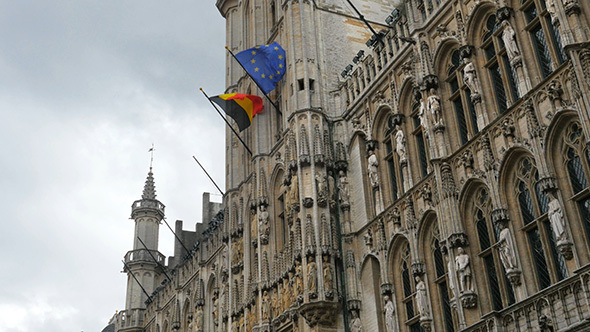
(431, 177)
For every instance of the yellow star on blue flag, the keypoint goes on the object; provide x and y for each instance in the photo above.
(265, 64)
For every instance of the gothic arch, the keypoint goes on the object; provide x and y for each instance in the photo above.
(186, 313)
(380, 119)
(395, 245)
(370, 280)
(468, 188)
(508, 162)
(425, 223)
(553, 135)
(406, 95)
(442, 53)
(477, 20)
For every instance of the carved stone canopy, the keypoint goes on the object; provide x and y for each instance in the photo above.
(457, 240)
(418, 269)
(547, 184)
(466, 51)
(500, 216)
(386, 289)
(319, 313)
(430, 82)
(504, 13)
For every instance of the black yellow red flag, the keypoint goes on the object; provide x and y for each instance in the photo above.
(240, 107)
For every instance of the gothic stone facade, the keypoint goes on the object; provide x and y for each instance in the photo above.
(431, 178)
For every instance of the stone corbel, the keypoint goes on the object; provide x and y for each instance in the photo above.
(457, 240)
(504, 13)
(386, 289)
(321, 313)
(418, 269)
(466, 51)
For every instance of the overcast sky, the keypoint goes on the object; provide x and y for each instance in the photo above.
(85, 88)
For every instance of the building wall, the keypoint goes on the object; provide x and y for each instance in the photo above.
(315, 233)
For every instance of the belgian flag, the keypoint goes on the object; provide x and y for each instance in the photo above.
(239, 107)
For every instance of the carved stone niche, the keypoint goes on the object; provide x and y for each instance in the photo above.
(354, 304)
(308, 202)
(418, 269)
(504, 13)
(395, 120)
(547, 184)
(430, 82)
(500, 216)
(371, 145)
(469, 300)
(457, 240)
(386, 289)
(321, 313)
(466, 51)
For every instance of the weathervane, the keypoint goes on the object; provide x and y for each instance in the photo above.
(151, 151)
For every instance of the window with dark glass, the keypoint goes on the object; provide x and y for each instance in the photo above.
(441, 281)
(549, 264)
(460, 98)
(501, 73)
(544, 36)
(500, 290)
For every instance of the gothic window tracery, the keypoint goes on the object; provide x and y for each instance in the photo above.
(577, 164)
(544, 36)
(549, 264)
(502, 75)
(465, 115)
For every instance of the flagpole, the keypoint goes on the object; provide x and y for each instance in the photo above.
(258, 85)
(224, 119)
(203, 168)
(363, 18)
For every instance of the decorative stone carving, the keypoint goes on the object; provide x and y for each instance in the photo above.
(550, 5)
(265, 306)
(423, 118)
(343, 191)
(400, 140)
(199, 319)
(298, 279)
(463, 267)
(433, 104)
(448, 182)
(389, 311)
(452, 277)
(369, 240)
(373, 169)
(263, 224)
(422, 299)
(417, 268)
(312, 277)
(322, 190)
(319, 313)
(509, 39)
(506, 249)
(328, 277)
(472, 82)
(556, 218)
(466, 51)
(293, 197)
(355, 323)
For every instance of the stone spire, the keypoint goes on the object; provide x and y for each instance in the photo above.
(149, 190)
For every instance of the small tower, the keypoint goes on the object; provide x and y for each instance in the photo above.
(147, 213)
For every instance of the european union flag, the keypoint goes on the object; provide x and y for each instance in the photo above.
(265, 64)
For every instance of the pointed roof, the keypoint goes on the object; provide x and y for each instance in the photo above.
(149, 189)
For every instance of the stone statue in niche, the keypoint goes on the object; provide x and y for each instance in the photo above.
(234, 325)
(276, 306)
(369, 239)
(294, 189)
(253, 225)
(506, 249)
(265, 306)
(322, 188)
(199, 319)
(555, 214)
(400, 141)
(343, 193)
(298, 278)
(509, 39)
(355, 323)
(191, 325)
(422, 298)
(286, 295)
(263, 224)
(433, 104)
(423, 117)
(328, 274)
(373, 169)
(463, 266)
(470, 78)
(331, 186)
(312, 275)
(389, 314)
(550, 5)
(215, 311)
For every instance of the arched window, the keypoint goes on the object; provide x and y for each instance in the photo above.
(544, 36)
(502, 74)
(532, 203)
(578, 168)
(392, 159)
(460, 99)
(500, 290)
(440, 280)
(418, 133)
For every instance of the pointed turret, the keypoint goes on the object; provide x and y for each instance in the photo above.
(147, 213)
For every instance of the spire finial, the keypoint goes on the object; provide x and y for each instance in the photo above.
(151, 151)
